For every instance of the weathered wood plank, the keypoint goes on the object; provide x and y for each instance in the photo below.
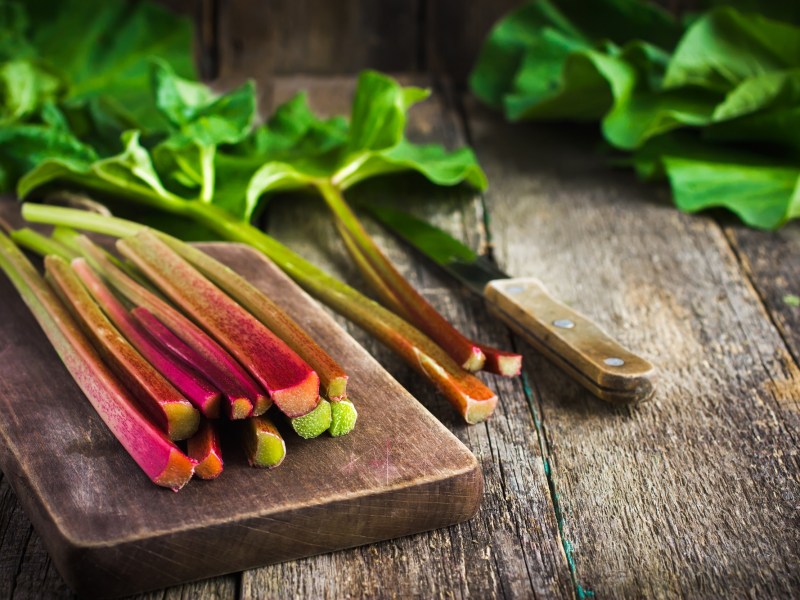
(696, 493)
(511, 548)
(455, 33)
(772, 261)
(259, 39)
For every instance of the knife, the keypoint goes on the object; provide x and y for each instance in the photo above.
(570, 340)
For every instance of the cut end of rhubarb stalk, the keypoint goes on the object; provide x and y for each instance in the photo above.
(500, 362)
(475, 361)
(209, 468)
(343, 418)
(263, 443)
(337, 388)
(204, 449)
(182, 420)
(508, 365)
(261, 405)
(177, 472)
(300, 399)
(314, 423)
(477, 411)
(239, 408)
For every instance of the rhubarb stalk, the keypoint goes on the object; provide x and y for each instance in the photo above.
(420, 312)
(292, 384)
(192, 385)
(241, 392)
(41, 244)
(203, 447)
(263, 443)
(168, 408)
(159, 458)
(470, 397)
(332, 376)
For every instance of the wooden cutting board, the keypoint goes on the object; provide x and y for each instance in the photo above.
(111, 532)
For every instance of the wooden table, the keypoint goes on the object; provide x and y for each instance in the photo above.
(693, 494)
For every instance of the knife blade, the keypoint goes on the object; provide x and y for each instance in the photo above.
(572, 341)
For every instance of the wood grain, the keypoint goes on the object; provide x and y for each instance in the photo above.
(693, 494)
(111, 532)
(511, 548)
(260, 39)
(771, 261)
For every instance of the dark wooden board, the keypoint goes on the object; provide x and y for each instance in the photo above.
(111, 532)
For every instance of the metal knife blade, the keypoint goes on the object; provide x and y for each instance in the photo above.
(570, 340)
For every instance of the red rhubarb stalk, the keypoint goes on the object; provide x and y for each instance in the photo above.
(332, 376)
(203, 447)
(178, 348)
(464, 351)
(241, 392)
(192, 385)
(168, 408)
(159, 458)
(291, 382)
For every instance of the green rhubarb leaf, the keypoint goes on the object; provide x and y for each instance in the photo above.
(129, 174)
(102, 49)
(24, 89)
(761, 195)
(199, 120)
(374, 144)
(24, 147)
(295, 132)
(725, 47)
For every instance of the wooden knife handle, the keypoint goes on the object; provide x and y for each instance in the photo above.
(570, 340)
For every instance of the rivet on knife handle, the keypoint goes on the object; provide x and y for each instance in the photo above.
(570, 340)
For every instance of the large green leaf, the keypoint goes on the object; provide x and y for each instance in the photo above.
(374, 144)
(762, 196)
(725, 47)
(103, 50)
(129, 174)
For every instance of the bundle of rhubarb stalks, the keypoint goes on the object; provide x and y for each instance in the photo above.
(165, 341)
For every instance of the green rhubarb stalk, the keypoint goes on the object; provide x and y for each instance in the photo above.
(241, 392)
(332, 376)
(203, 447)
(401, 297)
(291, 383)
(420, 312)
(41, 244)
(370, 274)
(468, 395)
(263, 443)
(69, 237)
(159, 458)
(314, 423)
(168, 408)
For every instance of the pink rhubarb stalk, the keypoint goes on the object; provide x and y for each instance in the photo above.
(168, 408)
(332, 376)
(241, 392)
(292, 384)
(203, 447)
(159, 458)
(192, 385)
